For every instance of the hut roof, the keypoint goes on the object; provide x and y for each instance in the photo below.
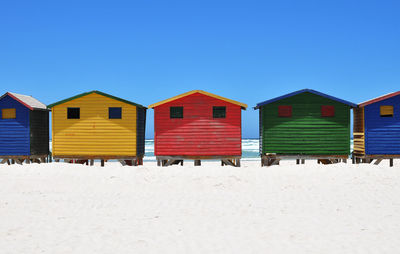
(305, 91)
(97, 92)
(380, 98)
(242, 105)
(26, 100)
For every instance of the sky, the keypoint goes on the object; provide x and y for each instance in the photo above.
(249, 51)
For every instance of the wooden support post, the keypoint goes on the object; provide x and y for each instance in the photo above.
(197, 162)
(8, 162)
(297, 161)
(273, 161)
(303, 161)
(102, 163)
(222, 163)
(264, 161)
(344, 160)
(91, 162)
(238, 163)
(171, 162)
(378, 161)
(391, 162)
(228, 162)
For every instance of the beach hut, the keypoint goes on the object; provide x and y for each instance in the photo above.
(96, 125)
(197, 125)
(24, 129)
(376, 129)
(302, 125)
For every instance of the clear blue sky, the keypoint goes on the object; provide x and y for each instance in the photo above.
(250, 51)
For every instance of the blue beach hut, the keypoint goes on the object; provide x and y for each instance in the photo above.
(24, 129)
(376, 128)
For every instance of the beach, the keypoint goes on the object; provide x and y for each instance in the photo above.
(311, 208)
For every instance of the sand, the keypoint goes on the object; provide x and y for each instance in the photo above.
(63, 208)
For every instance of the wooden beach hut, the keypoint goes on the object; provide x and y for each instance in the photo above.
(96, 125)
(197, 125)
(303, 125)
(24, 129)
(376, 129)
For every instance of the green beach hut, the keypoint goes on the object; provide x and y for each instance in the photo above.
(305, 124)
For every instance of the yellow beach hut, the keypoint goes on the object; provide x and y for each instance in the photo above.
(98, 126)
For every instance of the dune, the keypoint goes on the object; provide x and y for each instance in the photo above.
(67, 208)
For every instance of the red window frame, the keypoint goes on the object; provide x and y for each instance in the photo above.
(285, 111)
(327, 111)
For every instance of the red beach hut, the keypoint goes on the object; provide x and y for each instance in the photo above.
(197, 125)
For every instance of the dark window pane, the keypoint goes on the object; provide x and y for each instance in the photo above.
(176, 112)
(114, 113)
(219, 112)
(285, 111)
(74, 113)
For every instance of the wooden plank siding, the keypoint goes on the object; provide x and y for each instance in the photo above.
(197, 133)
(39, 132)
(141, 131)
(14, 133)
(94, 134)
(382, 134)
(306, 131)
(359, 131)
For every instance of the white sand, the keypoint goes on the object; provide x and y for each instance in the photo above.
(60, 208)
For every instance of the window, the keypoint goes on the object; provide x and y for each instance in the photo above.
(219, 112)
(327, 111)
(285, 111)
(114, 113)
(8, 113)
(386, 111)
(74, 113)
(176, 112)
